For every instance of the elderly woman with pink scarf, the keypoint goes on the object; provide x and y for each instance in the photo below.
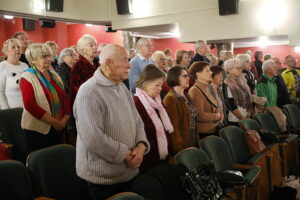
(157, 123)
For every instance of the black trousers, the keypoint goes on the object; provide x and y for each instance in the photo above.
(36, 140)
(102, 192)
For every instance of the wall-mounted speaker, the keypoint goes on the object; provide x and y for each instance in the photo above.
(109, 29)
(28, 24)
(54, 5)
(228, 7)
(124, 6)
(47, 23)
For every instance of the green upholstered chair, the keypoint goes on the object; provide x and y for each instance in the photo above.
(126, 196)
(192, 158)
(53, 173)
(289, 145)
(219, 153)
(293, 118)
(235, 139)
(12, 133)
(15, 181)
(249, 124)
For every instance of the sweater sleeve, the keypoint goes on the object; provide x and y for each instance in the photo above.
(3, 99)
(29, 99)
(90, 127)
(262, 91)
(171, 107)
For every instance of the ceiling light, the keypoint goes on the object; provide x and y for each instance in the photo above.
(89, 24)
(263, 41)
(8, 16)
(297, 49)
(39, 5)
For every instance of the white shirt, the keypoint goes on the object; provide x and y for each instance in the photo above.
(10, 94)
(243, 111)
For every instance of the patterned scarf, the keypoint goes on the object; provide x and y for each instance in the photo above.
(54, 100)
(240, 91)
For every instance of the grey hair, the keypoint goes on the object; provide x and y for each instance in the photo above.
(229, 64)
(198, 44)
(222, 54)
(84, 41)
(109, 52)
(243, 58)
(101, 46)
(156, 55)
(140, 42)
(65, 52)
(267, 64)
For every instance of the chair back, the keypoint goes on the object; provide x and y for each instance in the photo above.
(249, 124)
(235, 139)
(192, 158)
(54, 175)
(12, 133)
(15, 181)
(267, 122)
(293, 115)
(218, 151)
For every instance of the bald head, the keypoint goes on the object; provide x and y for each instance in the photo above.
(114, 62)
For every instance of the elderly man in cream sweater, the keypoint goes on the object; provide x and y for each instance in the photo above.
(111, 140)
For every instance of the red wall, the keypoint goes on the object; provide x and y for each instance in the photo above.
(75, 31)
(279, 51)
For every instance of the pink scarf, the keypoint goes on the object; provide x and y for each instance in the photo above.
(161, 124)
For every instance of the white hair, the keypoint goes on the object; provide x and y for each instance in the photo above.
(156, 55)
(108, 52)
(101, 46)
(229, 64)
(140, 42)
(222, 54)
(243, 58)
(84, 41)
(267, 65)
(65, 52)
(199, 44)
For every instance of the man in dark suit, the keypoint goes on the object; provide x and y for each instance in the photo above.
(201, 50)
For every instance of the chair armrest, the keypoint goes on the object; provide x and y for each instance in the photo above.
(43, 198)
(242, 166)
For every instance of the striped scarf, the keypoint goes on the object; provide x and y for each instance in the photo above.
(54, 100)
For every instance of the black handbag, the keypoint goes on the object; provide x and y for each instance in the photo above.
(270, 137)
(202, 183)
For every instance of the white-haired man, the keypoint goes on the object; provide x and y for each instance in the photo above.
(201, 51)
(111, 139)
(266, 87)
(140, 61)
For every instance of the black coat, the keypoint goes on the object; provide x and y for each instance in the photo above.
(283, 94)
(64, 71)
(258, 65)
(198, 57)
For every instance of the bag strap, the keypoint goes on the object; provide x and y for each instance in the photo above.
(211, 103)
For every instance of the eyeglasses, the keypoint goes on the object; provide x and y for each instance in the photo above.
(73, 56)
(238, 67)
(45, 56)
(148, 45)
(162, 59)
(185, 76)
(292, 61)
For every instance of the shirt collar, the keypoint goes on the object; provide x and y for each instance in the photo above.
(142, 57)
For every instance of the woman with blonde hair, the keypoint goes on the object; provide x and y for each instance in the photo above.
(10, 73)
(46, 108)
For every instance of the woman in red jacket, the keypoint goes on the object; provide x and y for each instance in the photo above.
(157, 123)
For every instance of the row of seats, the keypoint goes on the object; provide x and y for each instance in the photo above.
(50, 174)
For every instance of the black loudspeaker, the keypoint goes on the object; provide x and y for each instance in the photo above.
(28, 24)
(47, 23)
(228, 7)
(54, 5)
(124, 6)
(109, 29)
